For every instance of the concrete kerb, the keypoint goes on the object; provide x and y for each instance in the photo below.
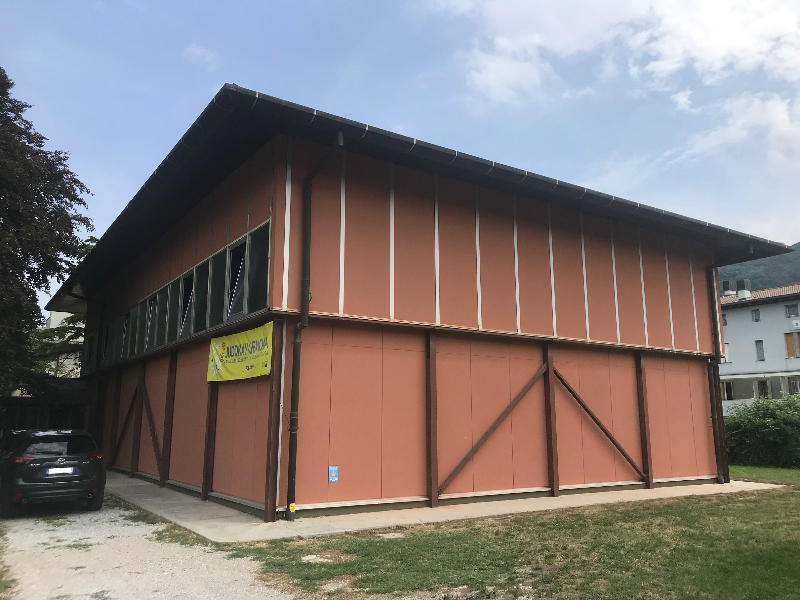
(222, 524)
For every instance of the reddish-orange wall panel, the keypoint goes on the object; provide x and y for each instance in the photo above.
(223, 442)
(130, 378)
(599, 279)
(569, 420)
(498, 285)
(355, 438)
(221, 216)
(189, 419)
(595, 389)
(527, 421)
(325, 237)
(414, 265)
(568, 273)
(493, 467)
(261, 187)
(240, 442)
(655, 290)
(176, 261)
(454, 410)
(304, 156)
(701, 258)
(279, 220)
(164, 254)
(679, 412)
(239, 200)
(314, 433)
(458, 280)
(701, 417)
(680, 288)
(403, 455)
(533, 251)
(658, 411)
(190, 241)
(625, 418)
(629, 285)
(156, 382)
(366, 251)
(205, 225)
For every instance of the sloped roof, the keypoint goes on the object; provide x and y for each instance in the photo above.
(760, 295)
(238, 121)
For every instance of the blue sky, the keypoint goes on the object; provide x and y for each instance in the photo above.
(690, 106)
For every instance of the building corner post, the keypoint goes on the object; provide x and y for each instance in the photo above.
(644, 419)
(714, 385)
(550, 419)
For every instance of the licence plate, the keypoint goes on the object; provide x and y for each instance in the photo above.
(61, 471)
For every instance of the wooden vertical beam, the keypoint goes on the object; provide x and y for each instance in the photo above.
(112, 435)
(644, 419)
(718, 422)
(211, 435)
(714, 385)
(432, 445)
(274, 424)
(137, 419)
(169, 415)
(550, 419)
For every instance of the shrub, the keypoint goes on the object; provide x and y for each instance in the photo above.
(765, 433)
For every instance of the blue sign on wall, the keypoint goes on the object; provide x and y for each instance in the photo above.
(333, 474)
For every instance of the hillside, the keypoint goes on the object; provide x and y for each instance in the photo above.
(767, 273)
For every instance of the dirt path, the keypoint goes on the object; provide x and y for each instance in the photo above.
(57, 554)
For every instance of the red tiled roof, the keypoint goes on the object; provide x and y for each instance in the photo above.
(777, 292)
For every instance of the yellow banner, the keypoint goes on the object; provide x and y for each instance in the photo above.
(241, 355)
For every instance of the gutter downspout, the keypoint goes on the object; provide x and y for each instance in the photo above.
(305, 283)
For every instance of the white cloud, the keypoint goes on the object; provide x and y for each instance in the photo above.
(206, 59)
(609, 69)
(683, 100)
(770, 119)
(714, 38)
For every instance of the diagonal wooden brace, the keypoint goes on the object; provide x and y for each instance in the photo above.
(492, 428)
(597, 422)
(125, 423)
(151, 422)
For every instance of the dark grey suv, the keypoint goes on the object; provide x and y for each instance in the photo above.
(50, 466)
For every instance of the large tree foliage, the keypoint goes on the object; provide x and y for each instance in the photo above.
(40, 223)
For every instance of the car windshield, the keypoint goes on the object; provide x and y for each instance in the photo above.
(60, 445)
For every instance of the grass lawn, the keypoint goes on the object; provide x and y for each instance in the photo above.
(742, 546)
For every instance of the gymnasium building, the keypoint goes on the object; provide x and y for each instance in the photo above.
(433, 327)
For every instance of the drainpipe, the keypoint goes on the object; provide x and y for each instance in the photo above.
(305, 297)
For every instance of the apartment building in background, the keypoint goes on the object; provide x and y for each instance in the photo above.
(761, 330)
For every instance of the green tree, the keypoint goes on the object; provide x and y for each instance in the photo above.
(40, 226)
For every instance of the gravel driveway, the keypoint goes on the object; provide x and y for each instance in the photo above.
(65, 554)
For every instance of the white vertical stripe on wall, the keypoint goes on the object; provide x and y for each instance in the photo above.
(287, 224)
(585, 290)
(341, 236)
(669, 293)
(478, 256)
(436, 242)
(552, 272)
(391, 241)
(694, 303)
(516, 265)
(641, 277)
(614, 271)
